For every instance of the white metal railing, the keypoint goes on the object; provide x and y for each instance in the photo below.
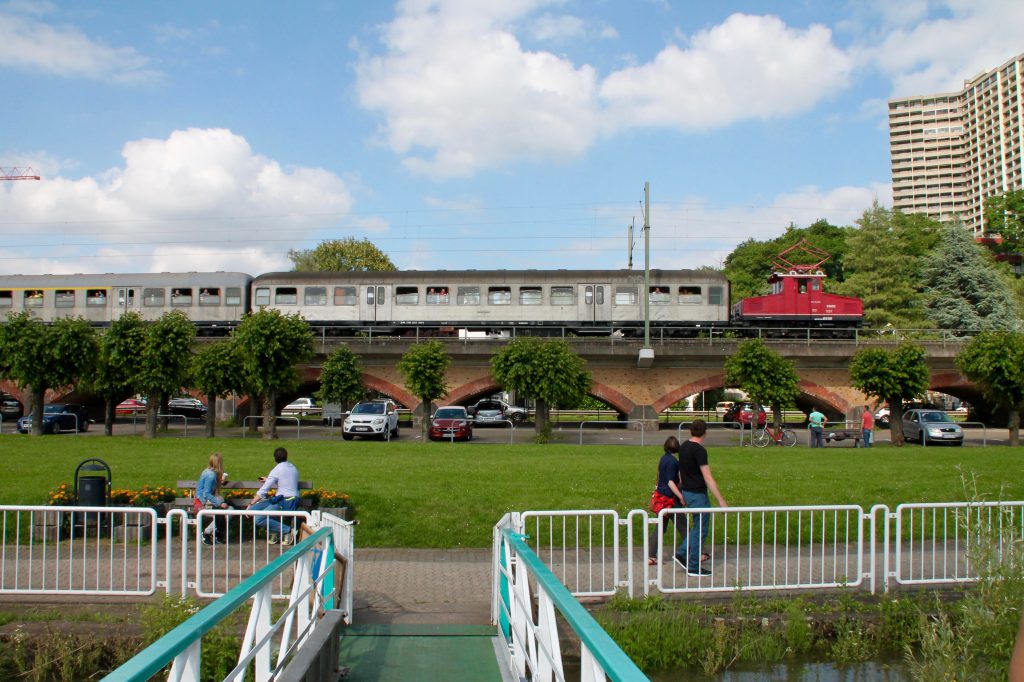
(580, 547)
(345, 554)
(619, 424)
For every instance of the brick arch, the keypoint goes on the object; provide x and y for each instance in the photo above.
(672, 397)
(484, 385)
(612, 398)
(825, 397)
(375, 383)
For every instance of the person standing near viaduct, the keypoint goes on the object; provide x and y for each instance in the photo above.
(867, 426)
(697, 480)
(816, 423)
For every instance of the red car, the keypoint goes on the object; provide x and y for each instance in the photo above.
(130, 406)
(450, 423)
(743, 413)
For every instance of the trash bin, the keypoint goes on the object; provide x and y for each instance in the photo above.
(92, 489)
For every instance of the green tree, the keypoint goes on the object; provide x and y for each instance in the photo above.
(165, 363)
(547, 371)
(119, 363)
(423, 367)
(891, 376)
(271, 345)
(995, 361)
(963, 289)
(883, 265)
(341, 255)
(765, 376)
(216, 372)
(1004, 215)
(341, 380)
(38, 357)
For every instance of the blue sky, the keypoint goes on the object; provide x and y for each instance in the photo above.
(456, 133)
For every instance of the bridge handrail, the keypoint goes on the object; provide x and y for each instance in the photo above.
(187, 635)
(598, 648)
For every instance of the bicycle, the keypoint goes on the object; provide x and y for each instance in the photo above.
(783, 436)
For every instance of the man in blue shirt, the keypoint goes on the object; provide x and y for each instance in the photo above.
(285, 478)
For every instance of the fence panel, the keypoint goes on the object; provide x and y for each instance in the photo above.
(580, 547)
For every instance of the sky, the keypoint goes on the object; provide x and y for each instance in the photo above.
(457, 134)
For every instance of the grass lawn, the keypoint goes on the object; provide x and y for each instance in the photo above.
(411, 494)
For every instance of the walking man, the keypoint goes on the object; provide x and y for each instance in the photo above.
(817, 426)
(867, 426)
(696, 481)
(285, 478)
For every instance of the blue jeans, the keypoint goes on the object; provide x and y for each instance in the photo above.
(866, 437)
(272, 524)
(690, 548)
(817, 437)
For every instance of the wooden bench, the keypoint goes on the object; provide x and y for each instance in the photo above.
(237, 502)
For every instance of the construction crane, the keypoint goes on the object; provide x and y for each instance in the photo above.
(17, 173)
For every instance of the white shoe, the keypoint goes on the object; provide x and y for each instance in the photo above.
(272, 539)
(288, 539)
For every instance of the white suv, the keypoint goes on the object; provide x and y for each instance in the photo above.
(374, 418)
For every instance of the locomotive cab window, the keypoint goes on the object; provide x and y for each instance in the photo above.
(286, 296)
(689, 295)
(34, 298)
(181, 297)
(562, 296)
(262, 295)
(315, 296)
(407, 295)
(437, 295)
(96, 297)
(531, 296)
(345, 296)
(64, 298)
(468, 296)
(153, 297)
(715, 295)
(499, 295)
(801, 286)
(659, 295)
(625, 296)
(6, 299)
(209, 296)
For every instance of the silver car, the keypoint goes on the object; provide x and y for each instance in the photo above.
(931, 427)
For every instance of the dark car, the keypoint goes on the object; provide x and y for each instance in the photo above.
(187, 407)
(451, 423)
(58, 417)
(742, 414)
(10, 408)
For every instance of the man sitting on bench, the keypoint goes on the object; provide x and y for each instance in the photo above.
(285, 478)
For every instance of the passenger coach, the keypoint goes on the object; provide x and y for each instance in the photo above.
(584, 301)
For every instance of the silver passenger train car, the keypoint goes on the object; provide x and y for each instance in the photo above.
(585, 301)
(214, 301)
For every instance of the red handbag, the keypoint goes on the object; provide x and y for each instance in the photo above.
(197, 505)
(659, 502)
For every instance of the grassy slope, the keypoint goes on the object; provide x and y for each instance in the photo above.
(440, 495)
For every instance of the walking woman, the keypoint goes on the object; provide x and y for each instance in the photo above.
(207, 497)
(666, 495)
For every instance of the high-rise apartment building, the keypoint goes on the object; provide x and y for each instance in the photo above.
(952, 150)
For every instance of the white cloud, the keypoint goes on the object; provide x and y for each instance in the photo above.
(552, 27)
(746, 67)
(200, 198)
(30, 44)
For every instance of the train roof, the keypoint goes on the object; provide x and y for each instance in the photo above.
(122, 278)
(419, 275)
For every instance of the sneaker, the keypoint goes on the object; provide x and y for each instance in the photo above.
(272, 539)
(679, 562)
(288, 539)
(699, 573)
(207, 540)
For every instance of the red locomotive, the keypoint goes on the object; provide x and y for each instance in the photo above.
(797, 298)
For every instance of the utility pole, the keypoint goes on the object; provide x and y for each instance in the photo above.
(646, 357)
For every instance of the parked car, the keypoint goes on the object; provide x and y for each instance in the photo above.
(742, 414)
(58, 417)
(931, 427)
(374, 418)
(723, 407)
(10, 408)
(130, 406)
(494, 410)
(451, 423)
(187, 407)
(882, 417)
(301, 407)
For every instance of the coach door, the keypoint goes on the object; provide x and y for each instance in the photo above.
(377, 303)
(595, 302)
(126, 299)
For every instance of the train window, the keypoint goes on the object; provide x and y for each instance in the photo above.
(233, 296)
(562, 296)
(96, 297)
(6, 299)
(625, 296)
(181, 297)
(531, 296)
(347, 295)
(715, 296)
(262, 295)
(499, 295)
(407, 295)
(659, 295)
(801, 286)
(380, 295)
(64, 298)
(369, 295)
(34, 299)
(286, 296)
(437, 295)
(588, 295)
(315, 296)
(468, 296)
(600, 294)
(131, 298)
(689, 295)
(209, 296)
(153, 297)
(814, 285)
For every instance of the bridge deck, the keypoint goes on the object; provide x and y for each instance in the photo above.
(421, 652)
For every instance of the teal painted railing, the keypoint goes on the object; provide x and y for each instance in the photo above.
(162, 652)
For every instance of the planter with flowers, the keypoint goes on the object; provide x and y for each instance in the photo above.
(331, 502)
(54, 524)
